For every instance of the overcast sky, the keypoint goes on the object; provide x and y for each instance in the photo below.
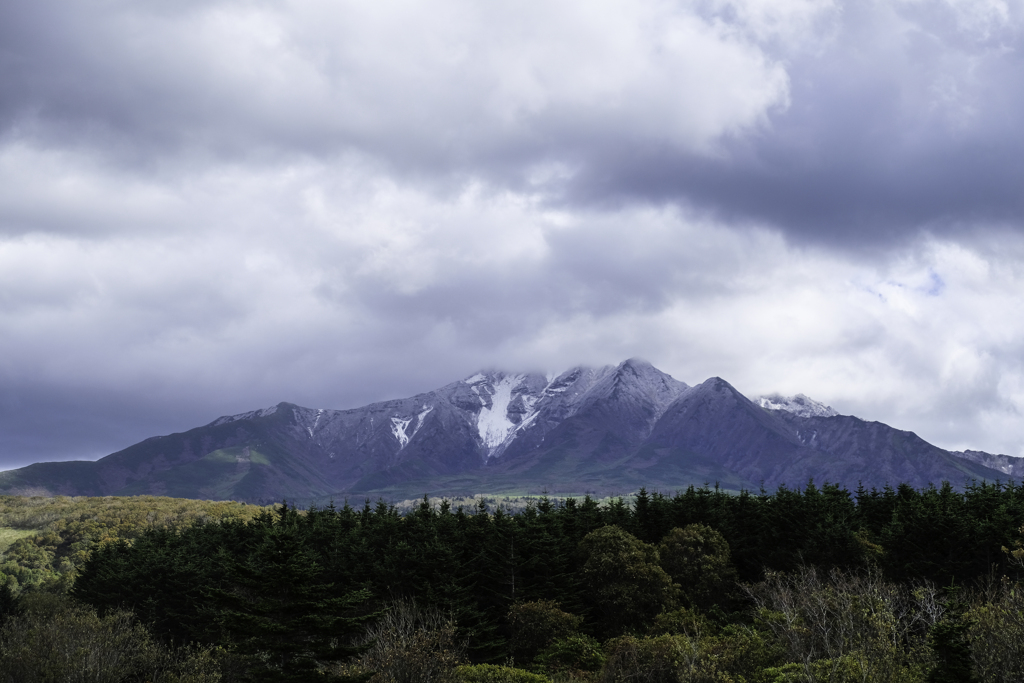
(210, 207)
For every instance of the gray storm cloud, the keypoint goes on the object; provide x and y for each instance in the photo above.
(211, 207)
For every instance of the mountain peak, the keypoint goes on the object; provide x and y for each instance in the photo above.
(643, 379)
(799, 405)
(484, 375)
(637, 364)
(641, 369)
(714, 384)
(252, 414)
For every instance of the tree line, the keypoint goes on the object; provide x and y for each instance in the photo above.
(813, 584)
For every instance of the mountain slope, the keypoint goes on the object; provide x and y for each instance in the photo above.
(610, 429)
(716, 428)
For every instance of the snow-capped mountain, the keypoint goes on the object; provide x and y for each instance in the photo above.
(609, 429)
(475, 421)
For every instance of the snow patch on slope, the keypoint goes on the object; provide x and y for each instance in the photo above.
(319, 414)
(493, 423)
(799, 405)
(398, 427)
(420, 417)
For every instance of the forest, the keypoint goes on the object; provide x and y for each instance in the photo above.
(810, 584)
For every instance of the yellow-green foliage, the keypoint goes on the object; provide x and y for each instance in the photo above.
(1016, 553)
(409, 644)
(50, 538)
(9, 536)
(662, 659)
(680, 622)
(734, 654)
(572, 656)
(996, 634)
(844, 626)
(492, 673)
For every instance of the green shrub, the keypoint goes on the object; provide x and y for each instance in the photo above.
(662, 659)
(787, 673)
(682, 621)
(736, 651)
(996, 634)
(840, 623)
(409, 644)
(535, 625)
(492, 673)
(56, 639)
(576, 653)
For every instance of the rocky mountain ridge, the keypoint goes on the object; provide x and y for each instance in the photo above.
(602, 430)
(1010, 465)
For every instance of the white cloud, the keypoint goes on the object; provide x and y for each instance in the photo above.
(978, 20)
(446, 82)
(791, 26)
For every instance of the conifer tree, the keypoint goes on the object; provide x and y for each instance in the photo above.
(950, 645)
(281, 611)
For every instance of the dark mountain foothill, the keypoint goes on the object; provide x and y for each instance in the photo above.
(588, 430)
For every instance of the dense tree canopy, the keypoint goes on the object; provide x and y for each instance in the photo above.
(291, 592)
(697, 559)
(622, 579)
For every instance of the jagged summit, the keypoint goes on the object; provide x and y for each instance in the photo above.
(798, 405)
(609, 429)
(1011, 465)
(527, 406)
